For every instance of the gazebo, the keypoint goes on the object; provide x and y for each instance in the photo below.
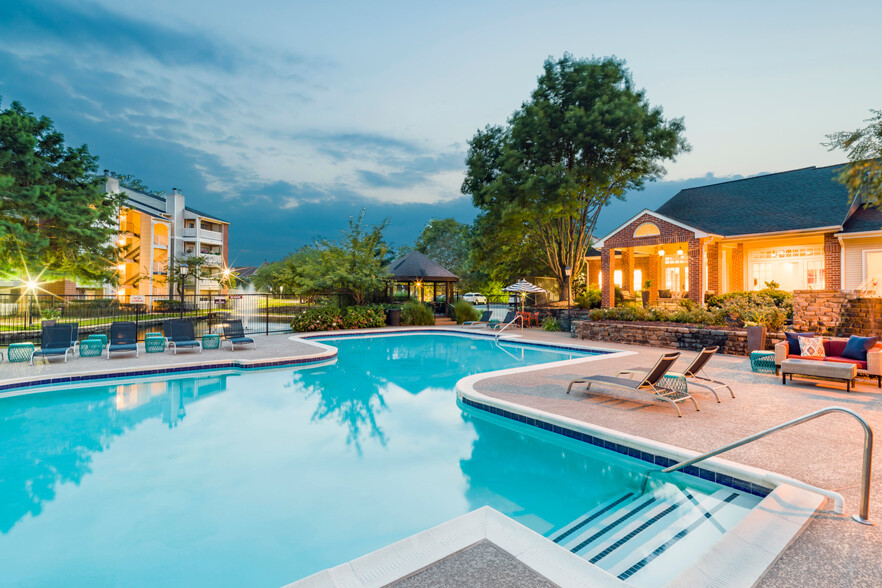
(418, 275)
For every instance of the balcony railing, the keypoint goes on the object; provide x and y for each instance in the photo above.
(214, 235)
(160, 240)
(215, 260)
(189, 231)
(160, 267)
(133, 228)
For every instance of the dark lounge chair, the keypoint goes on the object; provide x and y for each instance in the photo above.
(695, 373)
(484, 320)
(234, 334)
(649, 382)
(55, 341)
(123, 338)
(180, 334)
(509, 316)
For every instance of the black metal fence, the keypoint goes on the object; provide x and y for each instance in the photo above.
(22, 316)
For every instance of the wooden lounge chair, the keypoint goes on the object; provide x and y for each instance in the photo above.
(695, 373)
(180, 334)
(55, 341)
(234, 334)
(484, 320)
(650, 382)
(123, 338)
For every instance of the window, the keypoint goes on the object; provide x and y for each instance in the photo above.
(647, 230)
(617, 278)
(638, 279)
(814, 275)
(672, 278)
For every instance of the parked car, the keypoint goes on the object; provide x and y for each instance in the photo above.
(474, 298)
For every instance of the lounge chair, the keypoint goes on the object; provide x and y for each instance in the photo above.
(497, 324)
(485, 319)
(649, 382)
(695, 373)
(180, 334)
(55, 341)
(123, 338)
(234, 334)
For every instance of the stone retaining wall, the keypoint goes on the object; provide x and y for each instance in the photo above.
(830, 312)
(673, 337)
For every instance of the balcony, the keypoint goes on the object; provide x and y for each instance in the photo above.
(205, 234)
(189, 232)
(130, 228)
(160, 267)
(160, 241)
(214, 260)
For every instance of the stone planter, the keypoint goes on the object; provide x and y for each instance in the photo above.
(756, 338)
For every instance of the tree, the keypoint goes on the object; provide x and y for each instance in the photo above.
(447, 242)
(135, 183)
(356, 263)
(863, 174)
(55, 217)
(585, 136)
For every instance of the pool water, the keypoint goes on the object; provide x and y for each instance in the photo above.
(260, 478)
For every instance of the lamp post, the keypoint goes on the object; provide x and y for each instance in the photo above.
(183, 269)
(568, 271)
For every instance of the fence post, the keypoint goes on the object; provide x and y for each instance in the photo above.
(267, 313)
(210, 311)
(137, 319)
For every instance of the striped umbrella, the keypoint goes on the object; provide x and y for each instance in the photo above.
(523, 287)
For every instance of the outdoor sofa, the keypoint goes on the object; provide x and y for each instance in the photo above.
(834, 347)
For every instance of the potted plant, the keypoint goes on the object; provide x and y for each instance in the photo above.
(644, 294)
(756, 336)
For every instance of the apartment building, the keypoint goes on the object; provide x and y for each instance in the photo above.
(154, 231)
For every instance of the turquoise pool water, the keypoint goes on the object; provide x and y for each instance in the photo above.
(261, 478)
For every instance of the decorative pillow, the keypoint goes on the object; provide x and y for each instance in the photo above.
(857, 347)
(793, 341)
(811, 346)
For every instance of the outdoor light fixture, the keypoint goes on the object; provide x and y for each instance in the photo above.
(121, 267)
(122, 240)
(661, 252)
(679, 252)
(121, 292)
(184, 270)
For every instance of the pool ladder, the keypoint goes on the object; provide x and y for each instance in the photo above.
(864, 515)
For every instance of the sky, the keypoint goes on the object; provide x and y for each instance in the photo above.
(287, 117)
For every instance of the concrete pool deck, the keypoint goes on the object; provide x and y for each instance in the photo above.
(832, 551)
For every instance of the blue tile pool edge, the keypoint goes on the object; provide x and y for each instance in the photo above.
(649, 457)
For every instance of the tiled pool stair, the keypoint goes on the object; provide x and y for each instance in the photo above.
(647, 539)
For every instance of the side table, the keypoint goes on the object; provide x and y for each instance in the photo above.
(210, 341)
(763, 362)
(18, 352)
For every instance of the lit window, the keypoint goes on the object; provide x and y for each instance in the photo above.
(617, 278)
(638, 279)
(647, 230)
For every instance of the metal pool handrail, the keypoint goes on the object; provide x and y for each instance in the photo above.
(863, 516)
(507, 325)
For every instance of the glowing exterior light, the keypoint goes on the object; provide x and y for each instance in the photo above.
(661, 252)
(121, 267)
(122, 240)
(31, 285)
(679, 252)
(121, 292)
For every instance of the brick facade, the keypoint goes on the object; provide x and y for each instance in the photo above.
(832, 262)
(696, 275)
(713, 267)
(670, 233)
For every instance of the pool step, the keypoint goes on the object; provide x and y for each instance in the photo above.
(643, 539)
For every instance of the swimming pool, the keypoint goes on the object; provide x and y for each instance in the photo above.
(260, 478)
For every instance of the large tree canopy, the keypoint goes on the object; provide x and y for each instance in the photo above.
(863, 174)
(447, 242)
(55, 216)
(585, 136)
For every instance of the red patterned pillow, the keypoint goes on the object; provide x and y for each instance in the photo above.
(811, 346)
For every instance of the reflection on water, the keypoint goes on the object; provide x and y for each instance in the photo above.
(49, 439)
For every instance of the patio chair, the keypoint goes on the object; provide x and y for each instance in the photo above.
(180, 334)
(695, 373)
(497, 324)
(484, 320)
(55, 342)
(234, 334)
(650, 382)
(123, 338)
(75, 336)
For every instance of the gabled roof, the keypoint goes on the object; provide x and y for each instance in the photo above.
(416, 266)
(800, 199)
(862, 220)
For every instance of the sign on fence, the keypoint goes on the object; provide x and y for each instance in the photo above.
(137, 299)
(235, 297)
(220, 300)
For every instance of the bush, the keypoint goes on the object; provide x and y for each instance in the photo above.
(552, 324)
(464, 311)
(781, 299)
(590, 299)
(415, 313)
(331, 318)
(699, 316)
(756, 309)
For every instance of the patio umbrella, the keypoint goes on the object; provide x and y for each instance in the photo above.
(523, 287)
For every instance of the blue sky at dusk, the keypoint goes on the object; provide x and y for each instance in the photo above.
(285, 118)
